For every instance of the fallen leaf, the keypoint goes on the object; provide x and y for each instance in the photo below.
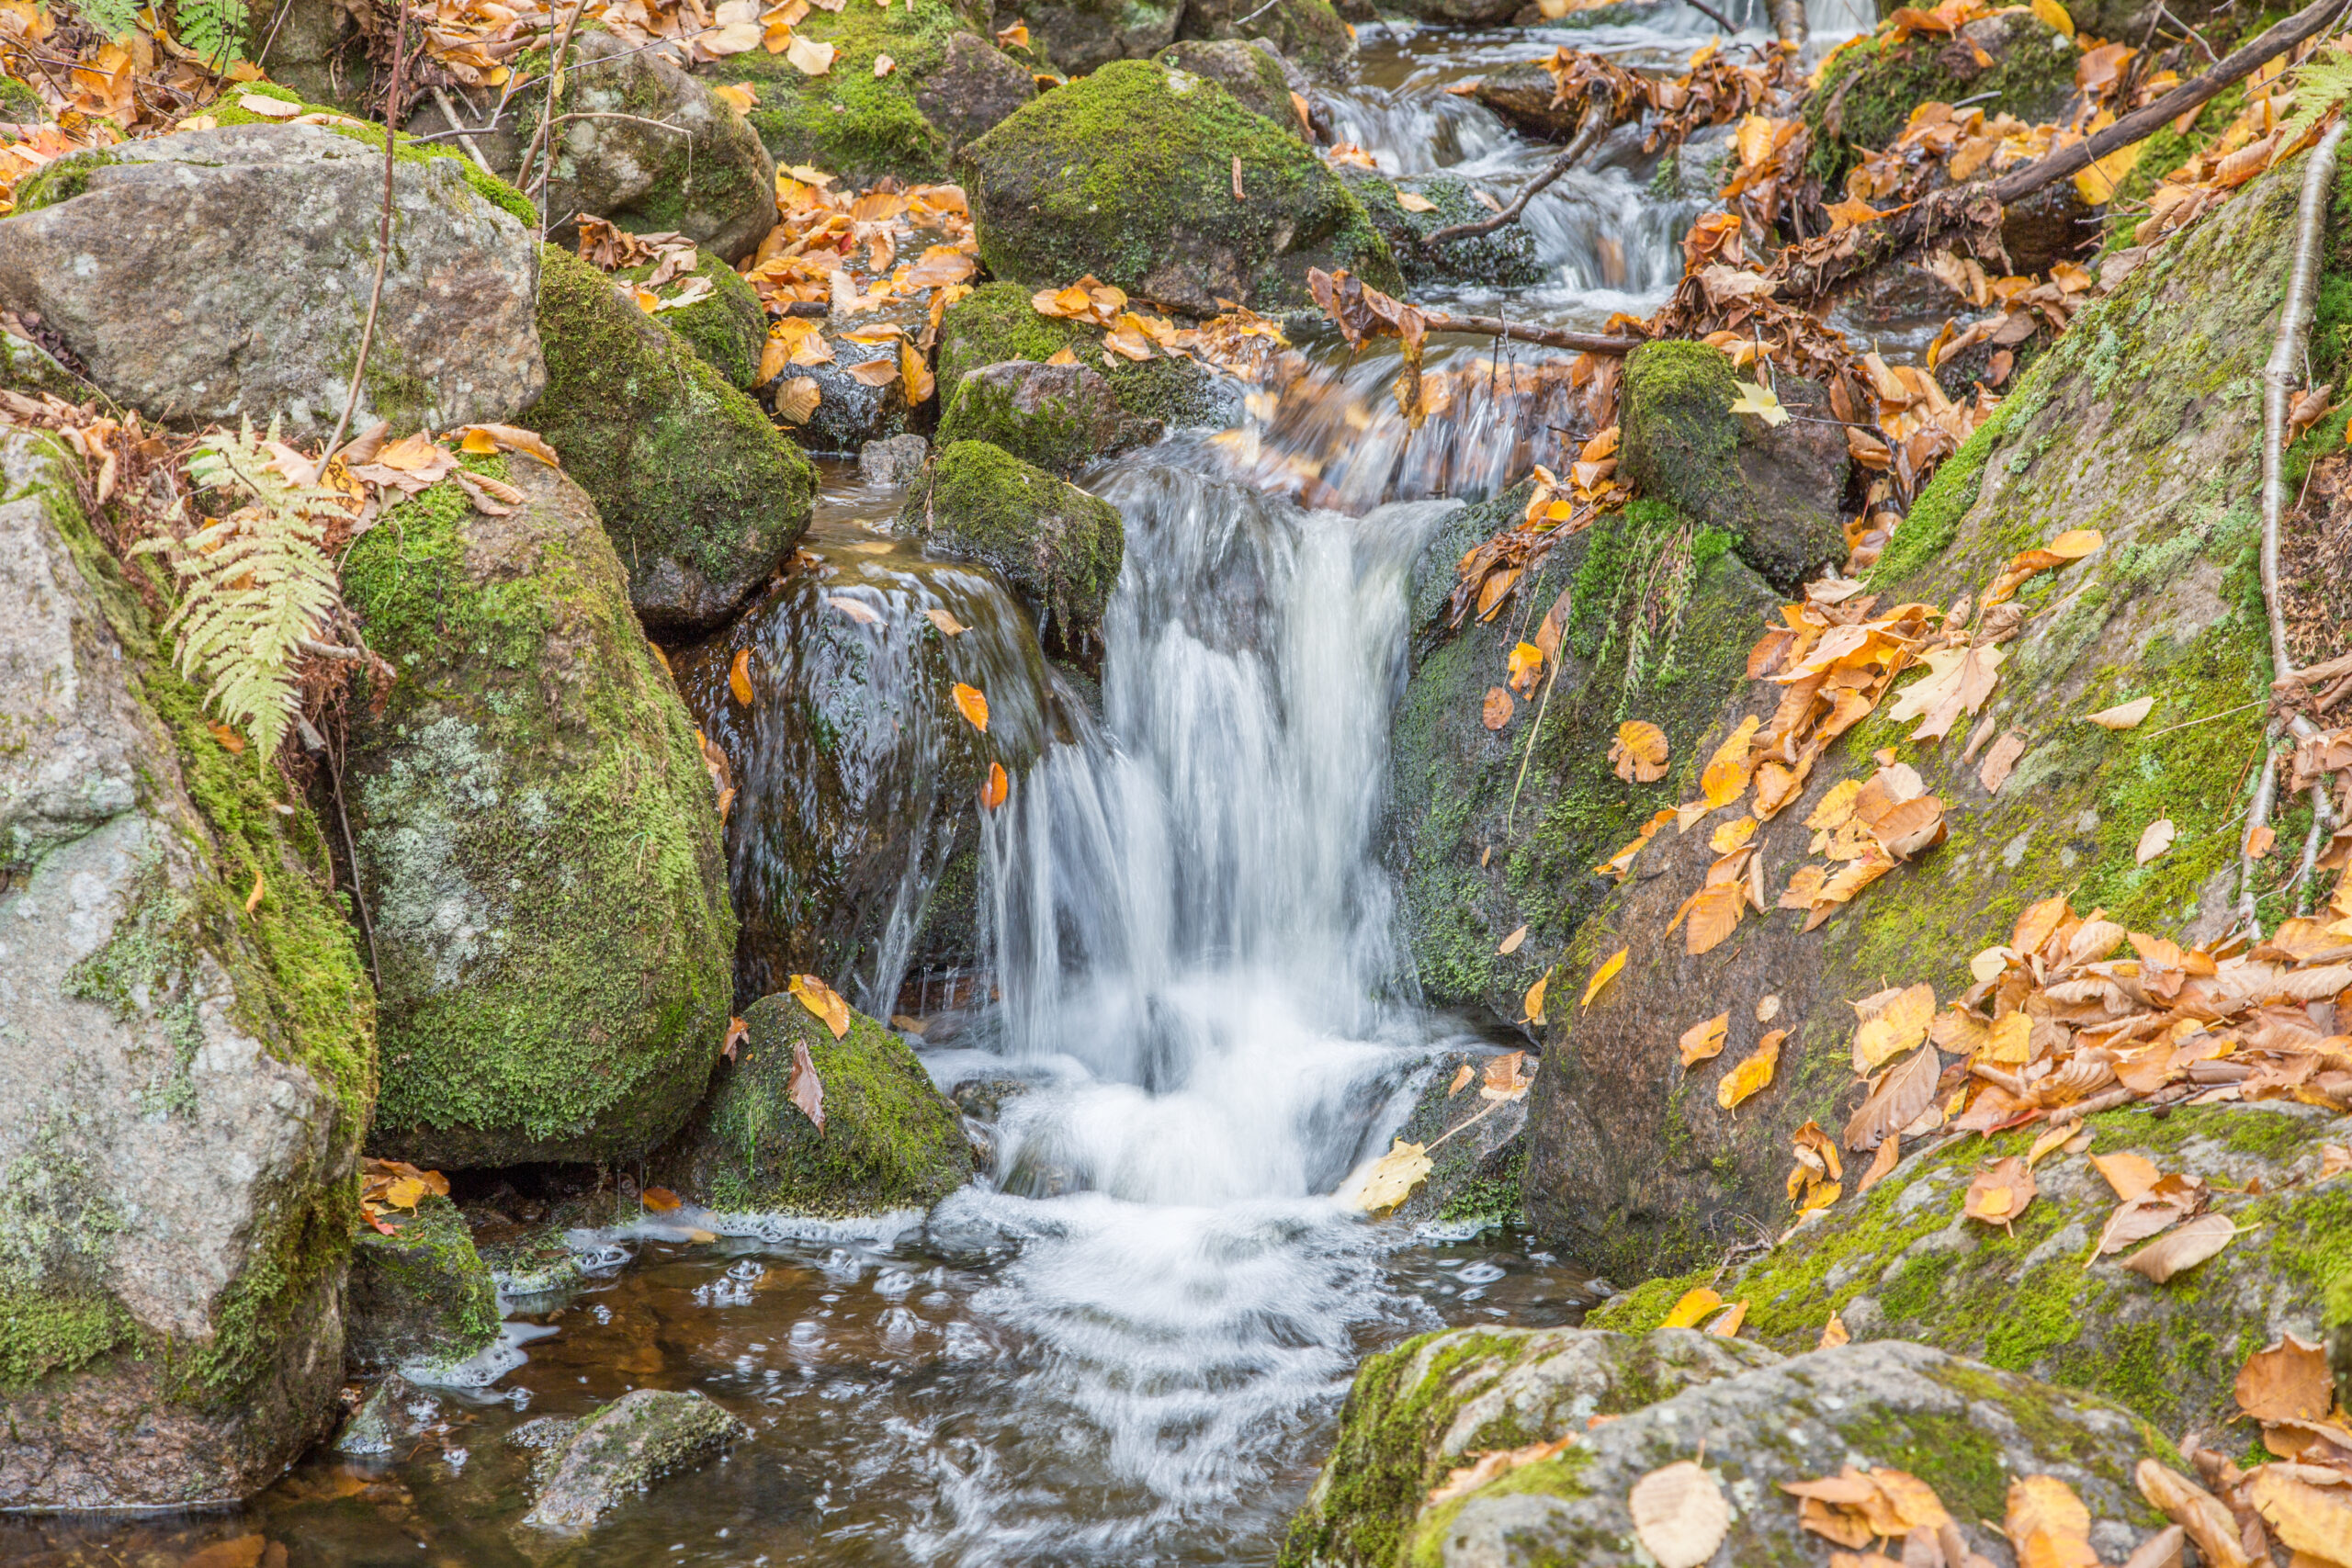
(916, 374)
(874, 373)
(1462, 1076)
(805, 1089)
(1834, 1334)
(2048, 1525)
(948, 625)
(973, 705)
(1752, 1074)
(1680, 1514)
(1508, 1077)
(2154, 840)
(1701, 1041)
(823, 1003)
(1388, 1181)
(1014, 37)
(739, 677)
(810, 58)
(795, 399)
(2129, 1174)
(2258, 841)
(1603, 975)
(1534, 1005)
(1725, 777)
(2192, 1244)
(1999, 761)
(2123, 716)
(1694, 1306)
(660, 1199)
(1714, 915)
(267, 106)
(884, 65)
(737, 96)
(1498, 708)
(992, 793)
(2286, 1381)
(1525, 667)
(864, 614)
(1639, 753)
(1894, 1027)
(2000, 1192)
(2315, 1522)
(1465, 1479)
(252, 899)
(231, 742)
(1511, 942)
(1731, 836)
(1413, 201)
(2196, 1510)
(1760, 401)
(738, 1034)
(2054, 15)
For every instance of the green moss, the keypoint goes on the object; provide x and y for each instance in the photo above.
(1935, 515)
(1504, 259)
(727, 328)
(61, 180)
(45, 1333)
(996, 322)
(1058, 546)
(1645, 1306)
(850, 121)
(1874, 85)
(422, 1293)
(1058, 435)
(1558, 1476)
(1129, 175)
(20, 104)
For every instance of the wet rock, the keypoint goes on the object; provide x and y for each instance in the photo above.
(1061, 417)
(1522, 95)
(637, 1439)
(948, 85)
(849, 414)
(701, 496)
(728, 327)
(716, 184)
(2014, 62)
(996, 322)
(1505, 258)
(1056, 545)
(537, 839)
(537, 1263)
(394, 1412)
(421, 1295)
(1427, 1406)
(250, 241)
(1078, 37)
(890, 1140)
(1963, 1427)
(1906, 1264)
(1251, 71)
(313, 47)
(895, 460)
(1308, 36)
(1128, 175)
(2048, 227)
(983, 1099)
(187, 1082)
(965, 1228)
(1779, 489)
(1475, 1146)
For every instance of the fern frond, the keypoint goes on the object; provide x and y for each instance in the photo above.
(112, 18)
(213, 29)
(2320, 82)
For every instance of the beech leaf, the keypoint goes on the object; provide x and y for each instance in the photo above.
(1680, 1514)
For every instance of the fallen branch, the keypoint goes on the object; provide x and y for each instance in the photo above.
(383, 246)
(2278, 376)
(1713, 14)
(1598, 115)
(457, 128)
(1958, 207)
(1520, 332)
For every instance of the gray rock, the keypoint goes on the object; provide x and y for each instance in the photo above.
(1253, 73)
(421, 1295)
(976, 85)
(623, 1449)
(174, 1147)
(984, 1099)
(716, 184)
(1307, 36)
(893, 460)
(1061, 417)
(1080, 36)
(395, 1411)
(1473, 1174)
(225, 273)
(25, 367)
(849, 414)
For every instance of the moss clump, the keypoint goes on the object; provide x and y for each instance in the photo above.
(891, 1140)
(538, 838)
(728, 327)
(1505, 258)
(996, 322)
(1060, 418)
(47, 1332)
(1057, 546)
(1645, 1306)
(1129, 176)
(421, 1294)
(61, 180)
(850, 121)
(701, 495)
(1868, 91)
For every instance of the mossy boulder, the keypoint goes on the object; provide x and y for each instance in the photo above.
(946, 86)
(1077, 37)
(1965, 1430)
(996, 322)
(593, 1466)
(1504, 259)
(1251, 71)
(2144, 422)
(1308, 34)
(1061, 417)
(715, 184)
(421, 1295)
(538, 840)
(1129, 176)
(2013, 64)
(701, 495)
(409, 147)
(728, 327)
(188, 1056)
(891, 1140)
(1054, 545)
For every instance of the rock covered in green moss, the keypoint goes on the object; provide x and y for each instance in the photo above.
(1504, 259)
(1076, 36)
(1964, 1429)
(890, 1140)
(538, 839)
(256, 244)
(1308, 35)
(635, 1441)
(716, 184)
(25, 367)
(996, 322)
(701, 495)
(1059, 417)
(1474, 1144)
(2013, 64)
(421, 1295)
(1129, 176)
(1419, 1411)
(186, 1078)
(728, 327)
(1056, 545)
(1252, 72)
(1779, 490)
(946, 86)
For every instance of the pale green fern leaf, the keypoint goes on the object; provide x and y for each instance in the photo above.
(112, 18)
(2320, 82)
(213, 29)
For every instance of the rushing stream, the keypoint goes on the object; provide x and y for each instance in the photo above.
(1129, 1346)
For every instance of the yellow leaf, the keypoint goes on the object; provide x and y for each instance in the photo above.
(1013, 37)
(1731, 836)
(919, 378)
(1701, 1041)
(1413, 201)
(1694, 1306)
(1603, 975)
(1834, 1334)
(1680, 1514)
(2123, 716)
(2128, 1173)
(1725, 778)
(478, 441)
(2052, 14)
(1760, 401)
(774, 354)
(1753, 1074)
(1727, 1325)
(1533, 1004)
(874, 372)
(660, 1199)
(405, 1193)
(737, 96)
(1384, 1182)
(231, 742)
(2011, 1043)
(262, 104)
(948, 625)
(1526, 666)
(808, 56)
(1639, 753)
(2076, 542)
(252, 899)
(797, 399)
(739, 677)
(973, 705)
(1511, 942)
(823, 1002)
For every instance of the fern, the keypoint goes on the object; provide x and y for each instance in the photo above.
(112, 18)
(252, 585)
(213, 29)
(2320, 82)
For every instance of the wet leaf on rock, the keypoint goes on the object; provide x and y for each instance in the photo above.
(823, 1003)
(1639, 753)
(973, 705)
(1603, 975)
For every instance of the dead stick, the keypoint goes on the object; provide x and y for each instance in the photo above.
(1597, 120)
(383, 244)
(1547, 337)
(1711, 14)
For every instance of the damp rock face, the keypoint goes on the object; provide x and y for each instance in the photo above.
(222, 274)
(592, 1467)
(422, 1294)
(891, 1140)
(996, 324)
(1056, 416)
(538, 838)
(1053, 543)
(187, 1078)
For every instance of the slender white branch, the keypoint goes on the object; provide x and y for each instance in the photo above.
(2278, 376)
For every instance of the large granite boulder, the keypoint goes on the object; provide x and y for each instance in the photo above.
(891, 1140)
(1130, 174)
(701, 495)
(225, 274)
(538, 840)
(186, 1072)
(1052, 543)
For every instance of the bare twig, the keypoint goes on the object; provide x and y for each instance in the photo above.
(2278, 374)
(1713, 14)
(1547, 337)
(616, 114)
(457, 128)
(542, 136)
(2266, 791)
(1598, 116)
(383, 244)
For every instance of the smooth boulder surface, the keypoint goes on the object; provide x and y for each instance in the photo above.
(1128, 174)
(1055, 545)
(186, 1080)
(537, 839)
(701, 495)
(593, 1466)
(225, 273)
(716, 184)
(1059, 417)
(891, 1140)
(1078, 37)
(421, 1295)
(1309, 35)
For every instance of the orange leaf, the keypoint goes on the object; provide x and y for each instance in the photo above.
(739, 677)
(973, 705)
(1753, 1074)
(1701, 1041)
(660, 1199)
(822, 1002)
(1496, 711)
(992, 793)
(1639, 753)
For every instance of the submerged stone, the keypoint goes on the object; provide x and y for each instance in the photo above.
(421, 1295)
(890, 1140)
(538, 839)
(895, 460)
(391, 1415)
(585, 1471)
(1057, 546)
(1505, 258)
